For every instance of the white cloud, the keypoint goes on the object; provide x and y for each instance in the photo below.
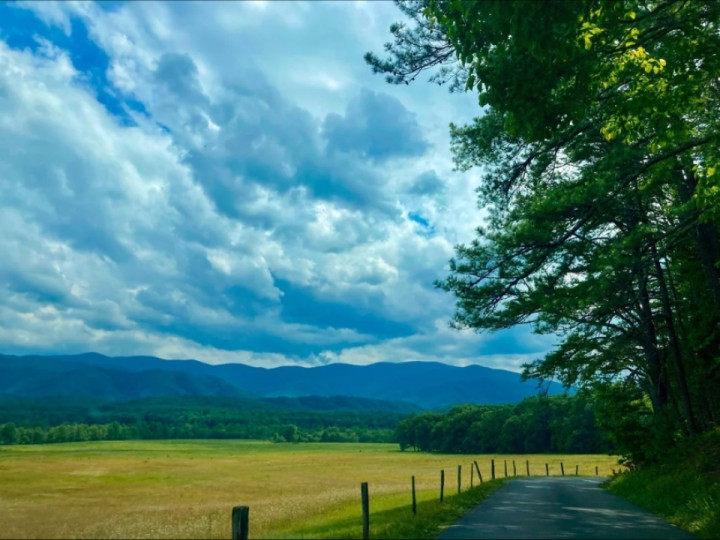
(171, 237)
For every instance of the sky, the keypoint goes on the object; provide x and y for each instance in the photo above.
(229, 182)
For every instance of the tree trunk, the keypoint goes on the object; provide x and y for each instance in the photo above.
(657, 371)
(706, 240)
(675, 345)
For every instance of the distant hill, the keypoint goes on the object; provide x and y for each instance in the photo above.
(110, 384)
(428, 385)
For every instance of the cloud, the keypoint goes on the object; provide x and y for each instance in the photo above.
(171, 184)
(427, 183)
(375, 126)
(444, 345)
(178, 74)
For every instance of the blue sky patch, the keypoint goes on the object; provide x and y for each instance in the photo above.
(426, 229)
(20, 29)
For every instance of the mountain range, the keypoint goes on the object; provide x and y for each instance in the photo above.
(428, 385)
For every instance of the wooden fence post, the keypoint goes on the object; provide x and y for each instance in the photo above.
(472, 477)
(442, 484)
(240, 522)
(547, 470)
(527, 466)
(576, 470)
(505, 468)
(596, 470)
(479, 473)
(562, 469)
(365, 510)
(514, 469)
(459, 478)
(414, 500)
(492, 468)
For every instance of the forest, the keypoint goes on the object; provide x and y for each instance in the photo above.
(537, 425)
(54, 420)
(597, 142)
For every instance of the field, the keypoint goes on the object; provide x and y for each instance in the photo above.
(186, 489)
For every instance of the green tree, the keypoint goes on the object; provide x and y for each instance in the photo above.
(599, 151)
(289, 432)
(405, 434)
(8, 433)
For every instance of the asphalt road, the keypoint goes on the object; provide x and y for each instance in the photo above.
(564, 507)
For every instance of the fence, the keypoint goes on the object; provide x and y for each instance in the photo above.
(241, 514)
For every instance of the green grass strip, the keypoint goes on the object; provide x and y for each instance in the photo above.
(684, 490)
(690, 501)
(391, 516)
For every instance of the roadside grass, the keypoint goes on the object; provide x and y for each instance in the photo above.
(684, 490)
(392, 517)
(187, 488)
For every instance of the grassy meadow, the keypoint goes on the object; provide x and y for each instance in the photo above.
(186, 489)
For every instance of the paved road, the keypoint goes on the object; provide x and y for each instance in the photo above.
(564, 507)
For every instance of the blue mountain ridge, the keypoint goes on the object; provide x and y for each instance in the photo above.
(428, 385)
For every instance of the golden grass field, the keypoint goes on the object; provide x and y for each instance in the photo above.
(186, 489)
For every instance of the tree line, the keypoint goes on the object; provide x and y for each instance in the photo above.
(115, 431)
(64, 420)
(598, 144)
(540, 424)
(562, 424)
